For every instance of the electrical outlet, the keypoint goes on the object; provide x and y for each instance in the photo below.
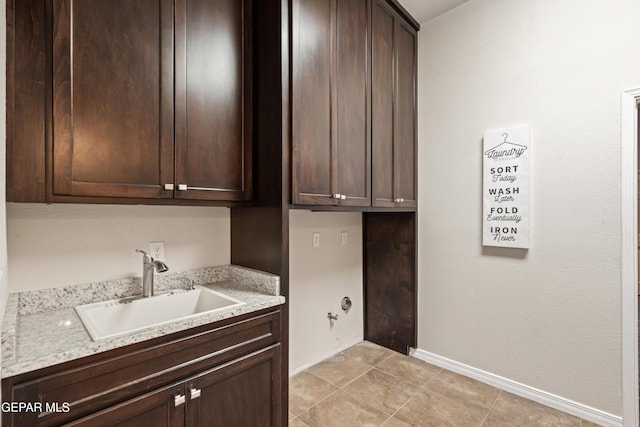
(316, 240)
(156, 250)
(343, 238)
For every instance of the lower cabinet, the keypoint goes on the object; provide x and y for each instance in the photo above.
(157, 408)
(239, 393)
(224, 374)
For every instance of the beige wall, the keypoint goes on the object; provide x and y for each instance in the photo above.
(319, 279)
(65, 244)
(549, 317)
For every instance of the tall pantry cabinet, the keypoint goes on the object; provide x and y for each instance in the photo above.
(353, 142)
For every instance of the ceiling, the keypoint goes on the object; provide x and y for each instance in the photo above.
(424, 10)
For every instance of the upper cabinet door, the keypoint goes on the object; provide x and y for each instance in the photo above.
(213, 99)
(331, 106)
(112, 98)
(405, 141)
(382, 94)
(353, 104)
(394, 109)
(314, 153)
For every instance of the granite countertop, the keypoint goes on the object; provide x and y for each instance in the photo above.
(41, 328)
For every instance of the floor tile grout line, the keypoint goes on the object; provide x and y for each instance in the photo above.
(324, 398)
(461, 401)
(433, 378)
(458, 399)
(341, 389)
(369, 405)
(418, 386)
(386, 421)
(367, 363)
(356, 378)
(403, 405)
(418, 389)
(318, 402)
(396, 411)
(376, 366)
(491, 409)
(385, 359)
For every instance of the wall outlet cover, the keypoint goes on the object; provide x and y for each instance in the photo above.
(156, 250)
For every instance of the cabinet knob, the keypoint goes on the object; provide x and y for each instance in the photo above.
(337, 196)
(194, 393)
(182, 187)
(179, 400)
(343, 197)
(168, 186)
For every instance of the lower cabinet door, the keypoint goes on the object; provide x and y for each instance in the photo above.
(159, 408)
(244, 392)
(241, 393)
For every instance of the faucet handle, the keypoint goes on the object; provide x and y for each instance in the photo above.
(147, 257)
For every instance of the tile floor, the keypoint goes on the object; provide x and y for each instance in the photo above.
(369, 385)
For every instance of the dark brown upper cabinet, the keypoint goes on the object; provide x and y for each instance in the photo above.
(353, 104)
(213, 99)
(112, 98)
(331, 155)
(393, 92)
(146, 99)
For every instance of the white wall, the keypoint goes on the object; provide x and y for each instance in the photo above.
(549, 317)
(319, 279)
(65, 244)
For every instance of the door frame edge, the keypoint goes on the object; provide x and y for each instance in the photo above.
(629, 267)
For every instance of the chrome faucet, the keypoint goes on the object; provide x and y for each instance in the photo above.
(149, 267)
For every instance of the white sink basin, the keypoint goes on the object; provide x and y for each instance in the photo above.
(108, 319)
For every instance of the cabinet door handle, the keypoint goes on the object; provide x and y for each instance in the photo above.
(182, 187)
(179, 400)
(194, 393)
(168, 186)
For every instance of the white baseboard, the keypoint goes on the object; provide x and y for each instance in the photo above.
(565, 405)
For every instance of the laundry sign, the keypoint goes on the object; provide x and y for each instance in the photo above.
(506, 175)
